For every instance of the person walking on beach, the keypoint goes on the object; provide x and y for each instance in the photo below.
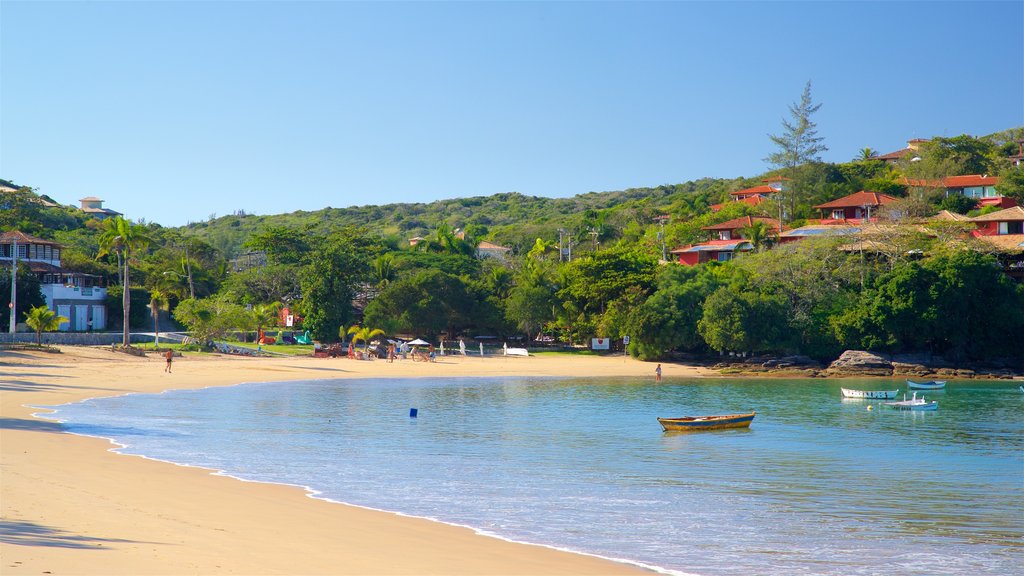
(462, 346)
(169, 356)
(657, 373)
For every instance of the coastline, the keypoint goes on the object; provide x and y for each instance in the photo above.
(70, 505)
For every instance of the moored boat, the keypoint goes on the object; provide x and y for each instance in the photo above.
(914, 403)
(707, 422)
(870, 394)
(930, 385)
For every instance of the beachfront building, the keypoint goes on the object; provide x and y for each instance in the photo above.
(861, 205)
(79, 297)
(93, 206)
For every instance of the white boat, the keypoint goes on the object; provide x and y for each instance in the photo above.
(931, 385)
(914, 403)
(870, 394)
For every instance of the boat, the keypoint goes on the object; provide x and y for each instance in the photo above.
(870, 394)
(930, 385)
(914, 403)
(707, 422)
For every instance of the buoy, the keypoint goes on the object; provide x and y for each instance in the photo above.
(413, 412)
(870, 407)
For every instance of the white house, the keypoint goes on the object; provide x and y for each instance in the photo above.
(79, 297)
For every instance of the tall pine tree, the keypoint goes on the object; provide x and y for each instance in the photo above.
(798, 145)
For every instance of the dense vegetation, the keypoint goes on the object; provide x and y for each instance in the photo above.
(337, 268)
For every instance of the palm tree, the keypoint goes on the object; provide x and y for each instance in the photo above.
(365, 335)
(157, 302)
(759, 234)
(384, 270)
(42, 319)
(264, 315)
(867, 154)
(124, 238)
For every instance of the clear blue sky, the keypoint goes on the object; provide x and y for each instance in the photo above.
(173, 111)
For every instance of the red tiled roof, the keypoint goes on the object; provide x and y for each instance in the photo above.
(22, 238)
(710, 245)
(894, 155)
(742, 222)
(953, 181)
(755, 190)
(970, 180)
(862, 198)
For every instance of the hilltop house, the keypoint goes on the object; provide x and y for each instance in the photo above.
(1004, 231)
(913, 146)
(729, 240)
(79, 297)
(756, 195)
(981, 187)
(487, 249)
(856, 206)
(93, 206)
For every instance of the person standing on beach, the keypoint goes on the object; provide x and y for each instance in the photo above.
(657, 373)
(462, 346)
(169, 356)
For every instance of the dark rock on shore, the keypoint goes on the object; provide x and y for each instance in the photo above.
(860, 363)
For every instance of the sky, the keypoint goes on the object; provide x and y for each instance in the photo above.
(173, 112)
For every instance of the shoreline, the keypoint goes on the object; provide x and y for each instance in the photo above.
(72, 505)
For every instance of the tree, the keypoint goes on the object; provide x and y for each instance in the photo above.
(364, 335)
(799, 143)
(157, 302)
(759, 234)
(1011, 184)
(866, 154)
(29, 293)
(427, 303)
(125, 238)
(743, 321)
(42, 319)
(336, 269)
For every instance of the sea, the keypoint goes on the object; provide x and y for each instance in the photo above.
(817, 485)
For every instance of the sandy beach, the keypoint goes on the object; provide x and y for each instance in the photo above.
(70, 506)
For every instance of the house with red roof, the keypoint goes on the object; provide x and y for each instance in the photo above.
(728, 240)
(1009, 221)
(913, 145)
(981, 187)
(757, 194)
(856, 206)
(74, 295)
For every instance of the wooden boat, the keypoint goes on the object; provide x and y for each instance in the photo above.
(914, 403)
(931, 385)
(707, 422)
(870, 394)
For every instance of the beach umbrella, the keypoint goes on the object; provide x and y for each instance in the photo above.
(418, 342)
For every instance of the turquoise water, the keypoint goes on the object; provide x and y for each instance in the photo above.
(817, 485)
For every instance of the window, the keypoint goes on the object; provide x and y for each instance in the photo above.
(1011, 228)
(724, 256)
(838, 214)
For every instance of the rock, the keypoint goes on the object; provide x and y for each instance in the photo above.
(860, 363)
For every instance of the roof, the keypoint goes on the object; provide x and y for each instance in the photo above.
(820, 230)
(485, 245)
(1005, 215)
(716, 245)
(755, 190)
(970, 180)
(953, 181)
(862, 198)
(743, 222)
(894, 155)
(752, 200)
(90, 199)
(947, 216)
(22, 238)
(1005, 242)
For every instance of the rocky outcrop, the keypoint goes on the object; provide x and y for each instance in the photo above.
(860, 363)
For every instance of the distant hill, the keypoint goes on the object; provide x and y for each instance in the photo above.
(510, 219)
